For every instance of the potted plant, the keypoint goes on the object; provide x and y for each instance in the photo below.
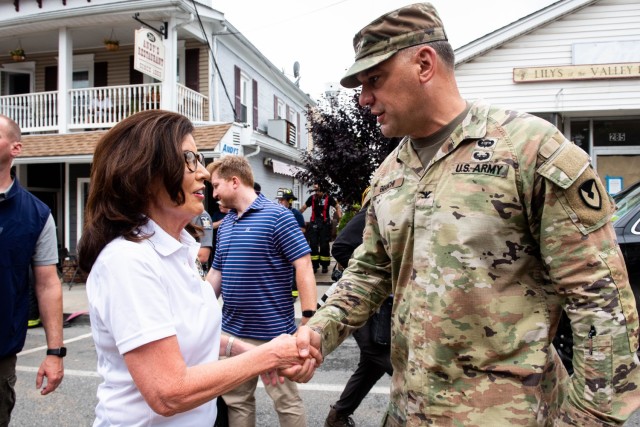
(17, 54)
(111, 44)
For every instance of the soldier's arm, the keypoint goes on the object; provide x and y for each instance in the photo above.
(360, 291)
(578, 246)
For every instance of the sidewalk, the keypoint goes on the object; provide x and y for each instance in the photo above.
(74, 299)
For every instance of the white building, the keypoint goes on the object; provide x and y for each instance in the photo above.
(67, 86)
(575, 63)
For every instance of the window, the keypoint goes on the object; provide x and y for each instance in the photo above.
(82, 71)
(291, 115)
(244, 96)
(607, 133)
(279, 108)
(580, 134)
(245, 99)
(81, 79)
(17, 78)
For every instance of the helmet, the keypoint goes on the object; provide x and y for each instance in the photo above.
(285, 193)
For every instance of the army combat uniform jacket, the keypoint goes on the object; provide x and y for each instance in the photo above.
(482, 249)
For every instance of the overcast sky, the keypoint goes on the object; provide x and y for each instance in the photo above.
(319, 34)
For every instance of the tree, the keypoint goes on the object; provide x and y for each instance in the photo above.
(347, 148)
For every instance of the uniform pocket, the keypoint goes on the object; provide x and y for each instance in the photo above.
(598, 372)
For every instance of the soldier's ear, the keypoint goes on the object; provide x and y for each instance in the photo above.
(426, 58)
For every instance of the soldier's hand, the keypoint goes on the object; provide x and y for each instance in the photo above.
(305, 338)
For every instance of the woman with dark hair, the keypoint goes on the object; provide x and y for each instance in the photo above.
(155, 322)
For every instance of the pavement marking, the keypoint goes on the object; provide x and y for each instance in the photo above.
(67, 372)
(337, 388)
(333, 388)
(44, 347)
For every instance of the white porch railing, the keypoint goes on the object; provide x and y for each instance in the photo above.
(191, 103)
(97, 107)
(34, 112)
(103, 107)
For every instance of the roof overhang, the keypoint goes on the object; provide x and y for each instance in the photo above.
(79, 147)
(518, 28)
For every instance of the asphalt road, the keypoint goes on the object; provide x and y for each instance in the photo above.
(74, 401)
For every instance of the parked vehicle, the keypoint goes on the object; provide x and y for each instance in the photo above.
(626, 222)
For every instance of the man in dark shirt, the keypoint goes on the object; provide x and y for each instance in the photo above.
(27, 241)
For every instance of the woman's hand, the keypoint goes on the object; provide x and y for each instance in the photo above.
(289, 363)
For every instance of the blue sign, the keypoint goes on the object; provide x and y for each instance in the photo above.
(229, 149)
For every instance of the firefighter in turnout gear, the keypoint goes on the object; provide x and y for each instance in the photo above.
(320, 226)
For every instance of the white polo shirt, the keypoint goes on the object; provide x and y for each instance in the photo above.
(140, 292)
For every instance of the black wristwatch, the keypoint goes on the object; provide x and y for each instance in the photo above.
(60, 352)
(308, 313)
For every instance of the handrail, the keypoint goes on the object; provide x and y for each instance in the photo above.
(103, 107)
(33, 112)
(97, 107)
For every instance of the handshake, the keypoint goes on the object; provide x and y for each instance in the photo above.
(295, 357)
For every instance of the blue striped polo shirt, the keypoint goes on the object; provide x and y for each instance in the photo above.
(254, 254)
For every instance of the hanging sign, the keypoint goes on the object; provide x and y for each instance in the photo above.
(148, 55)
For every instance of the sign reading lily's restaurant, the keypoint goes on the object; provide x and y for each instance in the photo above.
(148, 54)
(627, 70)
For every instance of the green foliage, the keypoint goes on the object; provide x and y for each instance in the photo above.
(17, 52)
(347, 148)
(348, 216)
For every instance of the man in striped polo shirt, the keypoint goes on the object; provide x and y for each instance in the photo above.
(259, 243)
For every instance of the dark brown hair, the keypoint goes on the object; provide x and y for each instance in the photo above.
(131, 160)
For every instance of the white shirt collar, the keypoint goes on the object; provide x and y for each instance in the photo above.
(164, 243)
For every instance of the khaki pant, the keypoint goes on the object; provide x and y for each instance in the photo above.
(7, 385)
(286, 401)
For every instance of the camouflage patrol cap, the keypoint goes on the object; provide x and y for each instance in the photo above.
(408, 26)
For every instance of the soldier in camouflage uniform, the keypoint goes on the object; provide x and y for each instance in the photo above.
(484, 223)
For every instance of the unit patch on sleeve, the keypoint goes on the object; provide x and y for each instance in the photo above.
(501, 170)
(590, 194)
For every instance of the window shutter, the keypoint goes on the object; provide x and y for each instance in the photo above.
(100, 72)
(50, 78)
(135, 76)
(275, 107)
(238, 103)
(255, 104)
(192, 69)
(298, 130)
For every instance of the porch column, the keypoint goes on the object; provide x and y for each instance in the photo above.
(214, 98)
(169, 85)
(65, 76)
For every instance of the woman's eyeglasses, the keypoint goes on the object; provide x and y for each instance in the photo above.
(192, 159)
